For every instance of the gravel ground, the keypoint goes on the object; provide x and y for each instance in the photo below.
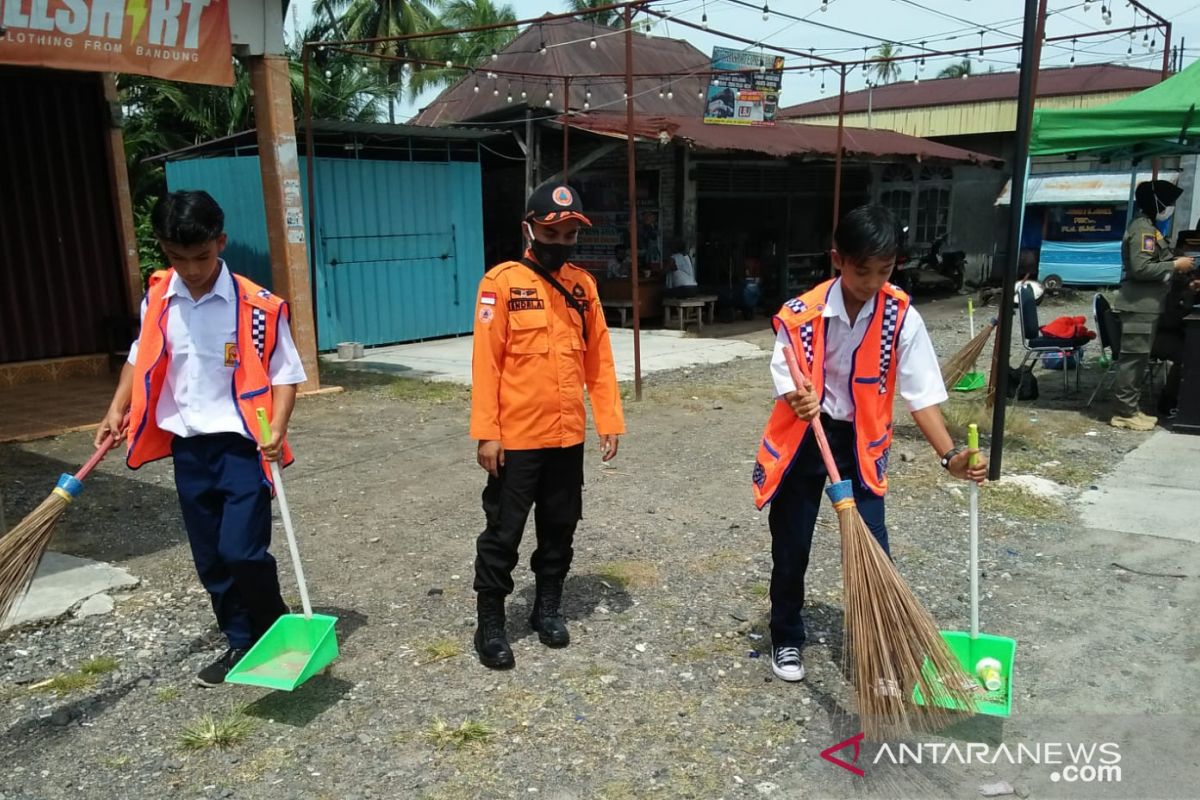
(665, 691)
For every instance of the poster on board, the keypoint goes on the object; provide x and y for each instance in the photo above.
(745, 90)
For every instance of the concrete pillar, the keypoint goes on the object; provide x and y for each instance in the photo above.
(118, 181)
(687, 187)
(283, 202)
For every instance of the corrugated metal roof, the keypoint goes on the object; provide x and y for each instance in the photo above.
(1089, 79)
(325, 131)
(819, 141)
(1080, 187)
(578, 59)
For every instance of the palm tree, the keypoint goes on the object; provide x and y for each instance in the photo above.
(473, 49)
(885, 67)
(960, 70)
(377, 19)
(613, 17)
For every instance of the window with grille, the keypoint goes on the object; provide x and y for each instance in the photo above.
(918, 199)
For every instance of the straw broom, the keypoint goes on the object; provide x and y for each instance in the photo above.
(962, 362)
(891, 643)
(21, 550)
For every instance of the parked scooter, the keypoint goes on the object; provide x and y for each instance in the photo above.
(934, 266)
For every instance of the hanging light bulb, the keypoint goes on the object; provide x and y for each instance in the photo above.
(670, 92)
(824, 6)
(476, 86)
(328, 74)
(766, 12)
(966, 75)
(625, 95)
(661, 93)
(1087, 5)
(586, 105)
(1073, 41)
(822, 80)
(449, 64)
(550, 95)
(524, 94)
(922, 64)
(592, 44)
(547, 102)
(495, 55)
(509, 96)
(916, 77)
(365, 70)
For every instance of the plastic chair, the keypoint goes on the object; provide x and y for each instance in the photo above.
(1037, 345)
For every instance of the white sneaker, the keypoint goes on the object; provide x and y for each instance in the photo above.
(786, 663)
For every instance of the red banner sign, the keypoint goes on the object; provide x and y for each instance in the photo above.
(179, 40)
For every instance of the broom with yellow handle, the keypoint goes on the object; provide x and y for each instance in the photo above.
(21, 550)
(890, 642)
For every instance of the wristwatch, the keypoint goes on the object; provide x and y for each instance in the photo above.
(949, 455)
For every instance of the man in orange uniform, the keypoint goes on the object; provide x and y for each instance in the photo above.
(540, 338)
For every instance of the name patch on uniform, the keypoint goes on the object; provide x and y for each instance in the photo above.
(488, 298)
(526, 304)
(231, 354)
(1148, 243)
(519, 292)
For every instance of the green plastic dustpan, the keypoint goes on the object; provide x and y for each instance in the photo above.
(970, 382)
(297, 646)
(970, 648)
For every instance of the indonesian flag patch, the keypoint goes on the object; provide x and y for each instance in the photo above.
(488, 298)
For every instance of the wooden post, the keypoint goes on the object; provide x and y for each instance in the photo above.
(118, 181)
(282, 201)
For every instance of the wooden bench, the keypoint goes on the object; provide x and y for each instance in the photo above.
(624, 308)
(690, 309)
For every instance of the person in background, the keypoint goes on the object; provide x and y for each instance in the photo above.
(681, 274)
(618, 265)
(1168, 338)
(1147, 268)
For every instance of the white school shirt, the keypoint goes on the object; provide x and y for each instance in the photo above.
(684, 273)
(197, 397)
(920, 378)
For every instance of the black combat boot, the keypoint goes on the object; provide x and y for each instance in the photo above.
(490, 641)
(546, 618)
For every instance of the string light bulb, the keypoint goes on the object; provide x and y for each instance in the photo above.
(495, 56)
(670, 93)
(824, 6)
(524, 94)
(328, 74)
(449, 64)
(365, 70)
(766, 12)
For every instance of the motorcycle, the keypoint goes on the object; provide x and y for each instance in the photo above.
(934, 266)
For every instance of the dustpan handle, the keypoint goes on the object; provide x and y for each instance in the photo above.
(973, 444)
(798, 377)
(277, 478)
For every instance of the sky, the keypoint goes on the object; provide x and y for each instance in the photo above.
(941, 24)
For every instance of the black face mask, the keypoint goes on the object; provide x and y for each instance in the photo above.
(551, 256)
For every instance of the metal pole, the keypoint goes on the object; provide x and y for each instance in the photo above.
(528, 151)
(1166, 70)
(837, 166)
(630, 157)
(310, 157)
(1031, 37)
(566, 126)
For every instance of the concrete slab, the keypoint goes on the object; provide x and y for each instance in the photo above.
(450, 359)
(61, 582)
(1154, 491)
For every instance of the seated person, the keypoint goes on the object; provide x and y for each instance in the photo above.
(681, 274)
(618, 265)
(1168, 337)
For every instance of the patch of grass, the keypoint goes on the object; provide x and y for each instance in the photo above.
(469, 733)
(263, 762)
(1070, 474)
(117, 762)
(1020, 503)
(411, 389)
(99, 666)
(166, 694)
(64, 684)
(759, 591)
(441, 649)
(212, 731)
(720, 561)
(1017, 427)
(628, 574)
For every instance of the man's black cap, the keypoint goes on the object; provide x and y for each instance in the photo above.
(1166, 192)
(552, 203)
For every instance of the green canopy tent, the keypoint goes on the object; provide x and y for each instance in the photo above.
(1157, 121)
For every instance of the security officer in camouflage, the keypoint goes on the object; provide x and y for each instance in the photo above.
(1147, 268)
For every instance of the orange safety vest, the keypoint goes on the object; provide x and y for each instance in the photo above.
(259, 313)
(873, 382)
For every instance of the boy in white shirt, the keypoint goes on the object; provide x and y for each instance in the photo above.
(214, 347)
(858, 340)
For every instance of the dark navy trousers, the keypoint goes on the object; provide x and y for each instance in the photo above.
(793, 517)
(226, 506)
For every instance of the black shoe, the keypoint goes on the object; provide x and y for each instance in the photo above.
(490, 641)
(214, 674)
(546, 618)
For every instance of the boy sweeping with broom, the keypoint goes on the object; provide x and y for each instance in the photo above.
(214, 347)
(860, 340)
